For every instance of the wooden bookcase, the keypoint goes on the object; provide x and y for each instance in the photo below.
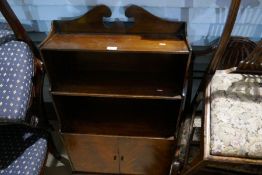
(118, 89)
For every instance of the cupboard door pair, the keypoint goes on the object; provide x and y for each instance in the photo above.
(91, 153)
(124, 155)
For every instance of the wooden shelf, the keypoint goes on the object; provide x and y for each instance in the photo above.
(156, 129)
(125, 117)
(119, 85)
(116, 43)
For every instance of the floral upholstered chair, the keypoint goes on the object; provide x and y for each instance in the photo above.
(230, 137)
(233, 117)
(23, 139)
(231, 127)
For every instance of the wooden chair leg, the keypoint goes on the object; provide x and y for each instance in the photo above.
(52, 147)
(196, 166)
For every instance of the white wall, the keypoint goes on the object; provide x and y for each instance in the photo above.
(205, 17)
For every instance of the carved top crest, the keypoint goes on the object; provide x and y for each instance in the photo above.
(143, 22)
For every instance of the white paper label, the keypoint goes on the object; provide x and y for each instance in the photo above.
(111, 48)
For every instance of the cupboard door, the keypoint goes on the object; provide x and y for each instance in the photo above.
(145, 156)
(91, 153)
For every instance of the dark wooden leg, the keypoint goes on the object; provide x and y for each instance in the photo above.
(52, 147)
(42, 171)
(195, 166)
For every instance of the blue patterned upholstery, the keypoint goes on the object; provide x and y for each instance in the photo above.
(6, 34)
(16, 71)
(22, 150)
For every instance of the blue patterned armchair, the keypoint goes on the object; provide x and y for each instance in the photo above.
(23, 137)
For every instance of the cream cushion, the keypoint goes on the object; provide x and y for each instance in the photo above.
(236, 115)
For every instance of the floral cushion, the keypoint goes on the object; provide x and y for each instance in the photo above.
(236, 115)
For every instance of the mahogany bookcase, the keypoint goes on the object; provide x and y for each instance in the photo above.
(119, 89)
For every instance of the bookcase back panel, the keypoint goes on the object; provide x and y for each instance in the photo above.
(132, 67)
(145, 118)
